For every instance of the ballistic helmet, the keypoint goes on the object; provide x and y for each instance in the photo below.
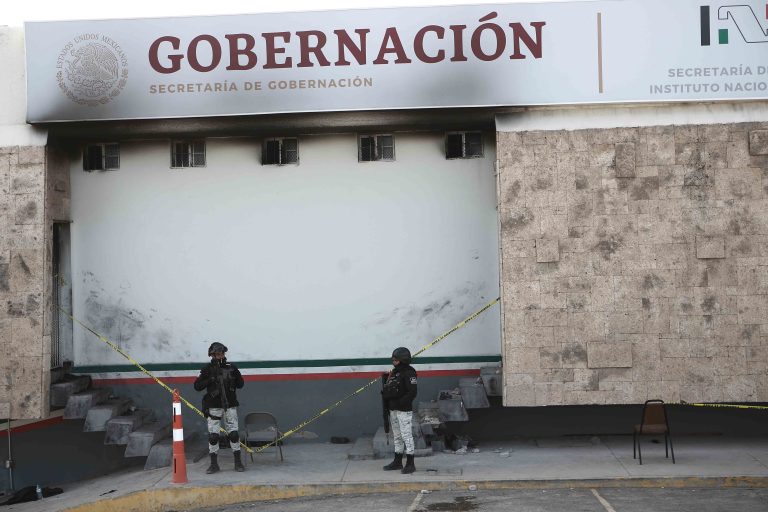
(402, 354)
(216, 347)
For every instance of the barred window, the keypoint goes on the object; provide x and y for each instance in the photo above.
(187, 154)
(376, 147)
(101, 157)
(280, 151)
(464, 145)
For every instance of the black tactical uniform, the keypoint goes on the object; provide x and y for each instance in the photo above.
(399, 393)
(220, 379)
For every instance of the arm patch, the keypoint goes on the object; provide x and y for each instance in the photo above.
(413, 380)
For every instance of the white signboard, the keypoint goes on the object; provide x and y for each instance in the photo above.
(460, 56)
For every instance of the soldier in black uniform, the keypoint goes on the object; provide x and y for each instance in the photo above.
(220, 379)
(399, 392)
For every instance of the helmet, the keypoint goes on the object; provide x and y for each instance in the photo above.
(402, 354)
(216, 347)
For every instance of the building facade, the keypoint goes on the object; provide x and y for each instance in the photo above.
(316, 190)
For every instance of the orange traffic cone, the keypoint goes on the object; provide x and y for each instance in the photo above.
(179, 459)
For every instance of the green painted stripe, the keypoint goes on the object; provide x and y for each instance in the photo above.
(723, 35)
(298, 363)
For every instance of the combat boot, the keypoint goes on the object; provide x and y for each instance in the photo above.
(238, 462)
(409, 467)
(395, 464)
(214, 467)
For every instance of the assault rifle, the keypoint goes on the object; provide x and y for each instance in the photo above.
(219, 374)
(384, 407)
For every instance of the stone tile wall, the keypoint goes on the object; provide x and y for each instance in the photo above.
(634, 264)
(25, 358)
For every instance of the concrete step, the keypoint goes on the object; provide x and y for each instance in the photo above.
(79, 404)
(57, 375)
(362, 449)
(438, 445)
(160, 455)
(141, 440)
(98, 415)
(119, 428)
(195, 447)
(427, 414)
(473, 393)
(451, 407)
(492, 380)
(384, 445)
(61, 391)
(427, 408)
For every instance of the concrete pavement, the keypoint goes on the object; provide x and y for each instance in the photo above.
(316, 469)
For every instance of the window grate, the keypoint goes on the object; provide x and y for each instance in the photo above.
(376, 148)
(280, 151)
(473, 145)
(61, 295)
(367, 149)
(101, 157)
(187, 154)
(464, 145)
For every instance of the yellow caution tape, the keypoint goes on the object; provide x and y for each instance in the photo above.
(723, 406)
(374, 381)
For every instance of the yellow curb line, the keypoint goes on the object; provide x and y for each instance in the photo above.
(189, 497)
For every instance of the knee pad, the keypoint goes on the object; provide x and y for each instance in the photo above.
(234, 437)
(213, 439)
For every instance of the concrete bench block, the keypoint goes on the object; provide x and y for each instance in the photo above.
(98, 415)
(384, 445)
(79, 404)
(61, 391)
(427, 408)
(119, 428)
(427, 413)
(473, 394)
(428, 429)
(491, 376)
(141, 440)
(451, 406)
(438, 445)
(160, 455)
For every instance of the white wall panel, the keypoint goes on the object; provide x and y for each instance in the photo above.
(327, 259)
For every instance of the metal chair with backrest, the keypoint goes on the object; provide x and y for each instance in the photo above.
(261, 428)
(653, 422)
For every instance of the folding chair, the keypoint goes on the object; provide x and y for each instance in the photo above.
(653, 422)
(260, 428)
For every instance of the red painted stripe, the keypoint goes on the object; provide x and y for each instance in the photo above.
(32, 426)
(289, 377)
